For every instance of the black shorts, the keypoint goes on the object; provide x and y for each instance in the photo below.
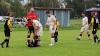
(31, 29)
(56, 33)
(7, 33)
(95, 28)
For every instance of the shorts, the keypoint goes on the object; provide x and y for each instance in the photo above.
(56, 32)
(95, 28)
(7, 33)
(31, 29)
(52, 29)
(85, 28)
(40, 32)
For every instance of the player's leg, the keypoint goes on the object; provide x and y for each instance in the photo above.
(52, 30)
(6, 40)
(94, 35)
(31, 32)
(35, 44)
(80, 35)
(56, 35)
(87, 31)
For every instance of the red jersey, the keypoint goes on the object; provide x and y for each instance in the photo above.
(29, 24)
(32, 15)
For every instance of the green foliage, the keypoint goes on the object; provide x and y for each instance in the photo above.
(4, 8)
(10, 6)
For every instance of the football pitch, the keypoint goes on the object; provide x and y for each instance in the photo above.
(66, 46)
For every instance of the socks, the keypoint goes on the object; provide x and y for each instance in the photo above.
(7, 43)
(56, 38)
(52, 41)
(80, 36)
(4, 42)
(95, 39)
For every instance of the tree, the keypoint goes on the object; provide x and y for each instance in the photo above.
(4, 7)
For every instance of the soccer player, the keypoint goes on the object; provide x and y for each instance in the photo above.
(38, 32)
(56, 32)
(51, 22)
(31, 15)
(7, 30)
(85, 26)
(95, 23)
(29, 25)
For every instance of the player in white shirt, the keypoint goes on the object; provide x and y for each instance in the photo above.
(51, 22)
(38, 32)
(85, 26)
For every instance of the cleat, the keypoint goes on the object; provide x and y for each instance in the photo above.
(2, 45)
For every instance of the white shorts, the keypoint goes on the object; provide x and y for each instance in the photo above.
(52, 29)
(40, 32)
(85, 28)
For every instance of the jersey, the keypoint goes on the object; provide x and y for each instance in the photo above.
(84, 21)
(38, 27)
(95, 22)
(51, 20)
(7, 24)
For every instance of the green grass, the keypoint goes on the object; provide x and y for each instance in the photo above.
(67, 45)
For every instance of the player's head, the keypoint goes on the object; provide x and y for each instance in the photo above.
(48, 13)
(32, 9)
(96, 13)
(83, 14)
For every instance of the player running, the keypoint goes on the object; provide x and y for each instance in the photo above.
(85, 26)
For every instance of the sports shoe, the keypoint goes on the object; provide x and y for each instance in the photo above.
(1, 45)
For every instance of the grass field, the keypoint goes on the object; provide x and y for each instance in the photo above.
(67, 45)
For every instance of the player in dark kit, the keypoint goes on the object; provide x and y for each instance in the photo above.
(7, 30)
(56, 31)
(30, 36)
(95, 23)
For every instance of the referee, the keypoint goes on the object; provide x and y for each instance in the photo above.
(7, 30)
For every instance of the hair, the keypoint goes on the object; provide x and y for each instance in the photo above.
(83, 13)
(29, 19)
(48, 12)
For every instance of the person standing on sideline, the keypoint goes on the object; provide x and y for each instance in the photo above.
(51, 22)
(85, 26)
(7, 30)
